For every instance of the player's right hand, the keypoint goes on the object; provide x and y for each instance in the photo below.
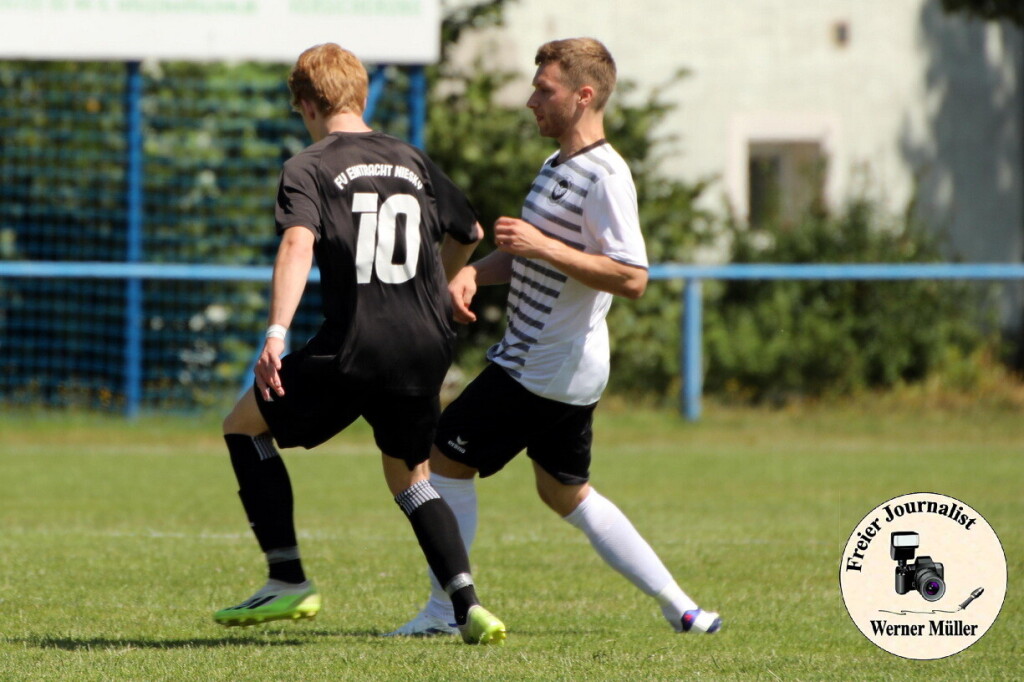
(267, 367)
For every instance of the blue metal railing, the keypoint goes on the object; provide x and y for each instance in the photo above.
(691, 357)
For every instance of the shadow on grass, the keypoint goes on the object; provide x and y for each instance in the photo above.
(263, 639)
(116, 644)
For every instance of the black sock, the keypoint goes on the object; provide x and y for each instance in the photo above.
(437, 531)
(285, 565)
(266, 493)
(462, 599)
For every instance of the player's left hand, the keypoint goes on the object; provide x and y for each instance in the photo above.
(462, 289)
(520, 238)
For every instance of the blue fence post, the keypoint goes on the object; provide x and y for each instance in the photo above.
(692, 360)
(133, 318)
(378, 79)
(417, 105)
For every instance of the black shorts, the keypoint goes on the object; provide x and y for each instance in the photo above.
(495, 419)
(320, 401)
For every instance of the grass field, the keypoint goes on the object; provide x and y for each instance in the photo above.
(118, 541)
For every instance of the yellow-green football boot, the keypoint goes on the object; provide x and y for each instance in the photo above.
(482, 627)
(274, 601)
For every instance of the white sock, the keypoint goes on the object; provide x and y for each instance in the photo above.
(623, 548)
(460, 494)
(674, 603)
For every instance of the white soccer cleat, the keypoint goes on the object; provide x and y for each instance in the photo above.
(424, 625)
(700, 622)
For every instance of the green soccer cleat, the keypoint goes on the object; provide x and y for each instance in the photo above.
(482, 627)
(274, 601)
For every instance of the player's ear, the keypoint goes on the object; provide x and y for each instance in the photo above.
(308, 108)
(585, 95)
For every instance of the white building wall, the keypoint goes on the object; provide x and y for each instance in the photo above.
(914, 98)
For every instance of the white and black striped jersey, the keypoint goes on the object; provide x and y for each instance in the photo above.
(556, 341)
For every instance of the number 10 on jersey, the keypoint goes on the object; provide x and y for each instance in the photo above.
(377, 233)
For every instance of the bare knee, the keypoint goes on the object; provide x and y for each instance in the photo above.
(399, 477)
(442, 465)
(547, 498)
(245, 418)
(564, 501)
(228, 425)
(560, 497)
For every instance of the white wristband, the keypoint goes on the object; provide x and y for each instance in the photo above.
(277, 331)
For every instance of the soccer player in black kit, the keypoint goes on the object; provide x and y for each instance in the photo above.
(372, 209)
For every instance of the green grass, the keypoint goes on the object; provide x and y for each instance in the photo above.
(118, 540)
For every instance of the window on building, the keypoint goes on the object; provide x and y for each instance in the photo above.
(786, 181)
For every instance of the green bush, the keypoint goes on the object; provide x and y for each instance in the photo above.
(645, 333)
(773, 340)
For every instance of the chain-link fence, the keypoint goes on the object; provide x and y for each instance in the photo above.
(208, 142)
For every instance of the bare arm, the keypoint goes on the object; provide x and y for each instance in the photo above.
(597, 271)
(494, 268)
(291, 272)
(455, 255)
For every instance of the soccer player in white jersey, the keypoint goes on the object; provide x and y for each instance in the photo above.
(577, 244)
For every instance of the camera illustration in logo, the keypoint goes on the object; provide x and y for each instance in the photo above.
(923, 575)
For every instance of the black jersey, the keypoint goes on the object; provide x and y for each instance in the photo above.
(378, 207)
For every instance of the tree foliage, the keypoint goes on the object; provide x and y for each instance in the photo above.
(214, 139)
(1011, 10)
(835, 336)
(772, 340)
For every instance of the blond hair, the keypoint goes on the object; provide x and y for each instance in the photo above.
(330, 77)
(584, 61)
